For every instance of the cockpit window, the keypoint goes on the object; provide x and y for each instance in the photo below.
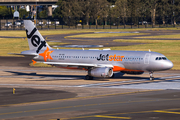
(164, 58)
(161, 58)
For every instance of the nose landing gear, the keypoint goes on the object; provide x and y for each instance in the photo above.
(151, 75)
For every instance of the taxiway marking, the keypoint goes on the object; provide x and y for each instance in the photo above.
(98, 116)
(159, 111)
(115, 114)
(102, 116)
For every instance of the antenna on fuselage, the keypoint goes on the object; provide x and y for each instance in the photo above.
(149, 50)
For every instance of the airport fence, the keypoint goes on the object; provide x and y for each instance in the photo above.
(92, 23)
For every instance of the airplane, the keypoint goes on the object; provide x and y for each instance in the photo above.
(97, 63)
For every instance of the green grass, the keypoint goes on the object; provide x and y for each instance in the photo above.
(40, 65)
(17, 45)
(43, 32)
(12, 46)
(162, 36)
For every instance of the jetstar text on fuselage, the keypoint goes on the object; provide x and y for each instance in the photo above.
(110, 57)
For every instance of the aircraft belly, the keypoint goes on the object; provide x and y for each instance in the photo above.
(134, 65)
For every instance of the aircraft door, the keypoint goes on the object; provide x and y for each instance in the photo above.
(146, 58)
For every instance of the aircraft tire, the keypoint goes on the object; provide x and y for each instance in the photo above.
(87, 77)
(151, 78)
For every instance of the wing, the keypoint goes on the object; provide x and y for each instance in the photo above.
(78, 64)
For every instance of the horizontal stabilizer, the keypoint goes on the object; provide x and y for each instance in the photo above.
(33, 54)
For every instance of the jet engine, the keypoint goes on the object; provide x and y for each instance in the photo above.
(133, 72)
(101, 72)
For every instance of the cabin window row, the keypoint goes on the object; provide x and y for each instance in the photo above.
(74, 57)
(90, 57)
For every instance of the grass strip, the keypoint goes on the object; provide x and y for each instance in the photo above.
(162, 36)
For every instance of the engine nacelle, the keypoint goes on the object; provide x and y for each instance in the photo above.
(101, 72)
(133, 72)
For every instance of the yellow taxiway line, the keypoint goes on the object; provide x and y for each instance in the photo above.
(159, 111)
(138, 112)
(102, 116)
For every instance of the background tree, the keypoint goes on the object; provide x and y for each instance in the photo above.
(4, 12)
(176, 10)
(99, 9)
(162, 10)
(134, 10)
(144, 11)
(85, 9)
(71, 10)
(112, 2)
(43, 13)
(57, 13)
(23, 13)
(152, 6)
(120, 9)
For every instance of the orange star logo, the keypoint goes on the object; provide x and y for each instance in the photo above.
(46, 54)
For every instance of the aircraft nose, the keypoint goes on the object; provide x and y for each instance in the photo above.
(168, 65)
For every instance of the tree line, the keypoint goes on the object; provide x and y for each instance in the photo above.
(98, 9)
(154, 10)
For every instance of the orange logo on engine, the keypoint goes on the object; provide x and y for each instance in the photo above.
(46, 54)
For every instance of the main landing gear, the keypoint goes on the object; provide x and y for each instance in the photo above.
(87, 77)
(151, 75)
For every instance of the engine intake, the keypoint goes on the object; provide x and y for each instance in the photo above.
(101, 72)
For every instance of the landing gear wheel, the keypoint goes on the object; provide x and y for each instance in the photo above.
(87, 77)
(151, 75)
(151, 78)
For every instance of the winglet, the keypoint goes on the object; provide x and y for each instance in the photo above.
(34, 62)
